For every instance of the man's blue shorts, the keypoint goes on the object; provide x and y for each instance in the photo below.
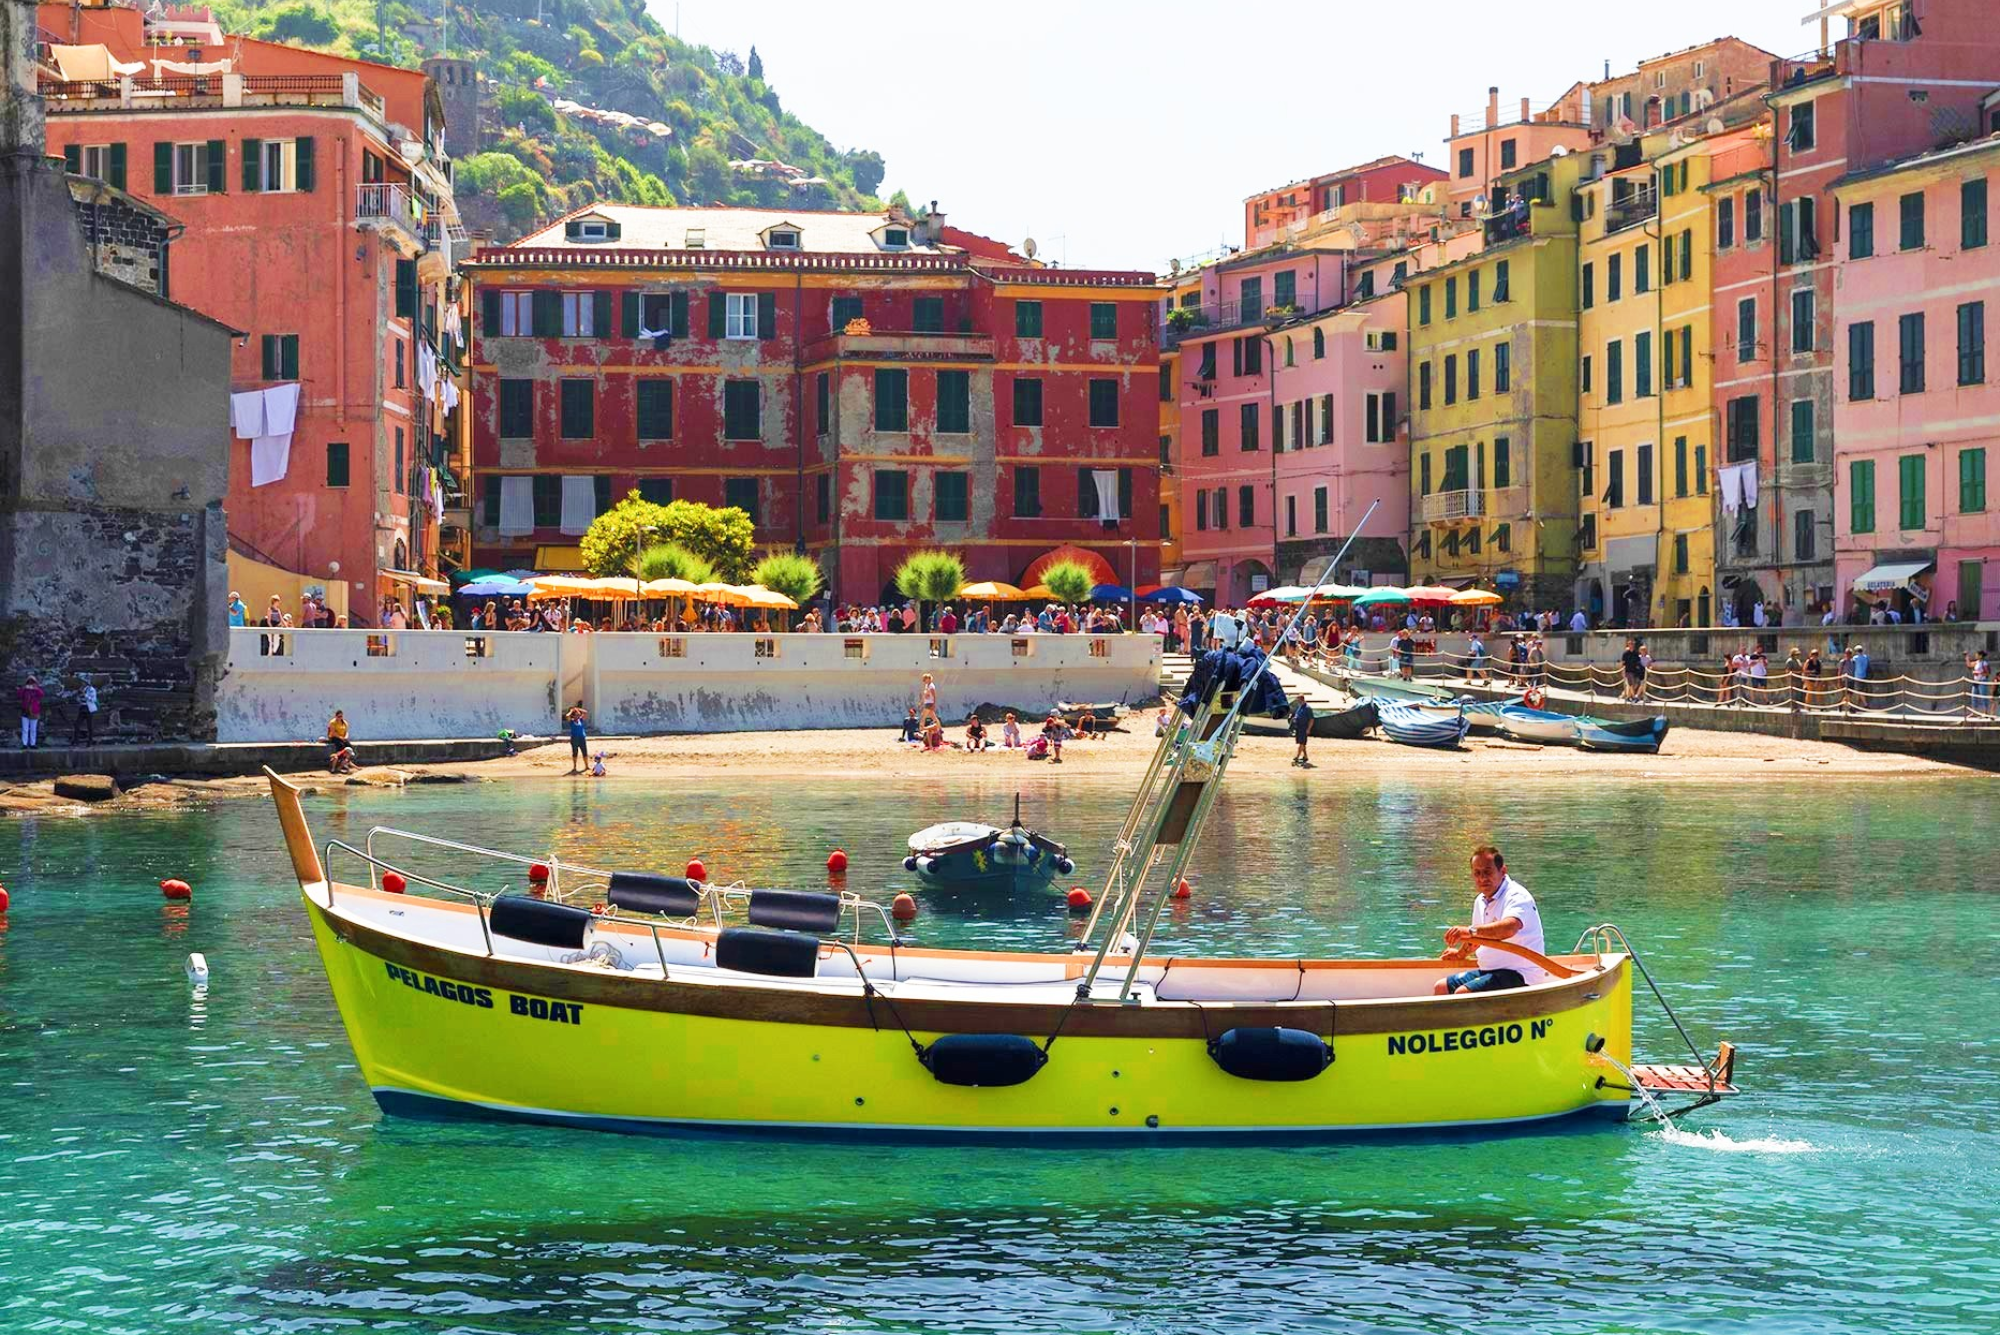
(1485, 980)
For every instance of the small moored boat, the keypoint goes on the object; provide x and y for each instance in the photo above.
(1484, 715)
(1415, 726)
(1540, 726)
(1643, 735)
(971, 855)
(1396, 689)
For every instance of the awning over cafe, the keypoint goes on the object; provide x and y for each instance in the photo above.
(1891, 577)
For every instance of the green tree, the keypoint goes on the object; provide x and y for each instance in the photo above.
(866, 167)
(707, 174)
(723, 535)
(756, 64)
(305, 25)
(616, 537)
(1069, 581)
(797, 577)
(669, 560)
(929, 577)
(519, 204)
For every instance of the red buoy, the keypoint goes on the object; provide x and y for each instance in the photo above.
(1078, 899)
(176, 889)
(3, 899)
(539, 872)
(393, 882)
(902, 908)
(1182, 890)
(836, 861)
(696, 871)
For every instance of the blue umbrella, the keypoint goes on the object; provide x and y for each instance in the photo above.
(497, 588)
(1110, 593)
(1172, 594)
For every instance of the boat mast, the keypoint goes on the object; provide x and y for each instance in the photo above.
(1173, 810)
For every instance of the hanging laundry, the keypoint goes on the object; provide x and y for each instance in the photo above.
(246, 414)
(1750, 486)
(1730, 480)
(1106, 481)
(517, 506)
(281, 410)
(270, 459)
(579, 503)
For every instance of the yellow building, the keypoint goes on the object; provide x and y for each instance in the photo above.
(1493, 399)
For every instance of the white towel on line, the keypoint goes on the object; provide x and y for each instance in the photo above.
(281, 410)
(270, 458)
(246, 414)
(517, 506)
(1106, 481)
(1749, 485)
(1731, 481)
(579, 503)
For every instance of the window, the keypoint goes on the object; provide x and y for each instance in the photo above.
(1643, 461)
(277, 166)
(1503, 367)
(105, 162)
(892, 494)
(1614, 278)
(1972, 343)
(1424, 304)
(1103, 319)
(1972, 214)
(782, 239)
(1971, 481)
(740, 315)
(1373, 429)
(1464, 162)
(1803, 427)
(1220, 507)
(1746, 330)
(1472, 291)
(336, 463)
(1027, 319)
(895, 238)
(1803, 311)
(1290, 359)
(517, 410)
(1103, 402)
(954, 402)
(1753, 215)
(1666, 262)
(578, 409)
(1211, 432)
(1450, 298)
(1798, 231)
(1680, 553)
(1741, 422)
(927, 315)
(1912, 233)
(281, 357)
(741, 493)
(1471, 374)
(1680, 465)
(1247, 424)
(1027, 492)
(1450, 379)
(892, 401)
(1803, 535)
(1860, 231)
(1246, 506)
(1424, 386)
(1424, 474)
(1725, 222)
(1687, 254)
(1687, 356)
(742, 410)
(1457, 472)
(1302, 424)
(516, 314)
(823, 402)
(1642, 365)
(1861, 496)
(1319, 345)
(579, 310)
(402, 478)
(1291, 516)
(1642, 266)
(1250, 299)
(1027, 401)
(1586, 374)
(845, 310)
(1801, 135)
(950, 497)
(660, 490)
(189, 169)
(1319, 509)
(1910, 360)
(402, 356)
(1285, 289)
(1501, 275)
(1701, 470)
(655, 399)
(1326, 418)
(1201, 511)
(1508, 154)
(1614, 485)
(1614, 372)
(548, 500)
(1910, 491)
(1861, 360)
(1589, 286)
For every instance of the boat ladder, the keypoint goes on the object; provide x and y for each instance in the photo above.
(1705, 1082)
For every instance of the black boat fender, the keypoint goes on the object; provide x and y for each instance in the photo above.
(1271, 1054)
(988, 1061)
(539, 922)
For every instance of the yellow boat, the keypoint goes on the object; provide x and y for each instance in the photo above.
(653, 1014)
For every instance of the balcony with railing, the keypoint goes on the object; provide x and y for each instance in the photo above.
(183, 92)
(1442, 507)
(390, 204)
(1626, 211)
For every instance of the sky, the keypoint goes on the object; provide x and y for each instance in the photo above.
(1124, 135)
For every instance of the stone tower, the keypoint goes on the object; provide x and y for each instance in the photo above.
(458, 88)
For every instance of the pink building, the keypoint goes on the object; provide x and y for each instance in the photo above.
(1227, 470)
(1917, 413)
(1271, 215)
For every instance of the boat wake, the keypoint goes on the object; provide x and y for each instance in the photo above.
(1717, 1140)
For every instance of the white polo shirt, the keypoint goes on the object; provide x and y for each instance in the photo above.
(1511, 900)
(1226, 629)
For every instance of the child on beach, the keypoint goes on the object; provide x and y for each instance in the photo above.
(975, 734)
(1055, 731)
(910, 726)
(1010, 733)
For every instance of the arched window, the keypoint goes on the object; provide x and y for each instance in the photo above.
(1701, 607)
(1288, 351)
(1319, 345)
(402, 555)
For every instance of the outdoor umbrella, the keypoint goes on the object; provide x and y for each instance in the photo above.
(1274, 597)
(1040, 593)
(1171, 594)
(1378, 597)
(1476, 598)
(1337, 592)
(496, 586)
(1110, 593)
(990, 591)
(1430, 593)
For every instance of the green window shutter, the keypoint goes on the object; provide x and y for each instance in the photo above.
(677, 305)
(218, 167)
(600, 319)
(163, 169)
(270, 366)
(767, 315)
(718, 314)
(491, 497)
(288, 357)
(629, 314)
(489, 312)
(117, 167)
(73, 159)
(253, 166)
(406, 288)
(602, 486)
(304, 175)
(547, 310)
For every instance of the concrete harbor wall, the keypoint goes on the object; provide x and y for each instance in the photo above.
(283, 685)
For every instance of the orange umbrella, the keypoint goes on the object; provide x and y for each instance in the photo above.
(1476, 598)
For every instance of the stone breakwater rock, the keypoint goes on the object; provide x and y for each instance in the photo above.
(87, 787)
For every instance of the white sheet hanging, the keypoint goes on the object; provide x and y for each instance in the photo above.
(1107, 493)
(281, 410)
(270, 458)
(1749, 485)
(517, 506)
(579, 504)
(1731, 481)
(246, 414)
(191, 67)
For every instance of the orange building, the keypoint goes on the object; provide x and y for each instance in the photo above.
(316, 196)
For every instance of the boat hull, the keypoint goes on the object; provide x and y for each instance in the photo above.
(1643, 736)
(443, 1032)
(1413, 726)
(1522, 724)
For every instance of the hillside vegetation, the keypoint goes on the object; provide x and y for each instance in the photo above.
(608, 55)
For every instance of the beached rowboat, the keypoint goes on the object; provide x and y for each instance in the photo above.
(1421, 726)
(1642, 735)
(1540, 726)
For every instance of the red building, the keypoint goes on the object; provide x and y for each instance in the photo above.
(316, 197)
(1273, 214)
(863, 384)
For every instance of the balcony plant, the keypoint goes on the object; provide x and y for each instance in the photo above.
(1181, 319)
(1277, 315)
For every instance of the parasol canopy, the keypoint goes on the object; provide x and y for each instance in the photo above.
(717, 592)
(496, 586)
(1476, 598)
(1430, 593)
(759, 596)
(1040, 593)
(1284, 594)
(1381, 597)
(1172, 593)
(1110, 593)
(990, 591)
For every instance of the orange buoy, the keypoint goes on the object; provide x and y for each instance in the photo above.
(393, 882)
(539, 872)
(1182, 890)
(696, 871)
(176, 889)
(1078, 899)
(836, 861)
(902, 908)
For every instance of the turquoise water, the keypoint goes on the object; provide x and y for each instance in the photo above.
(172, 1162)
